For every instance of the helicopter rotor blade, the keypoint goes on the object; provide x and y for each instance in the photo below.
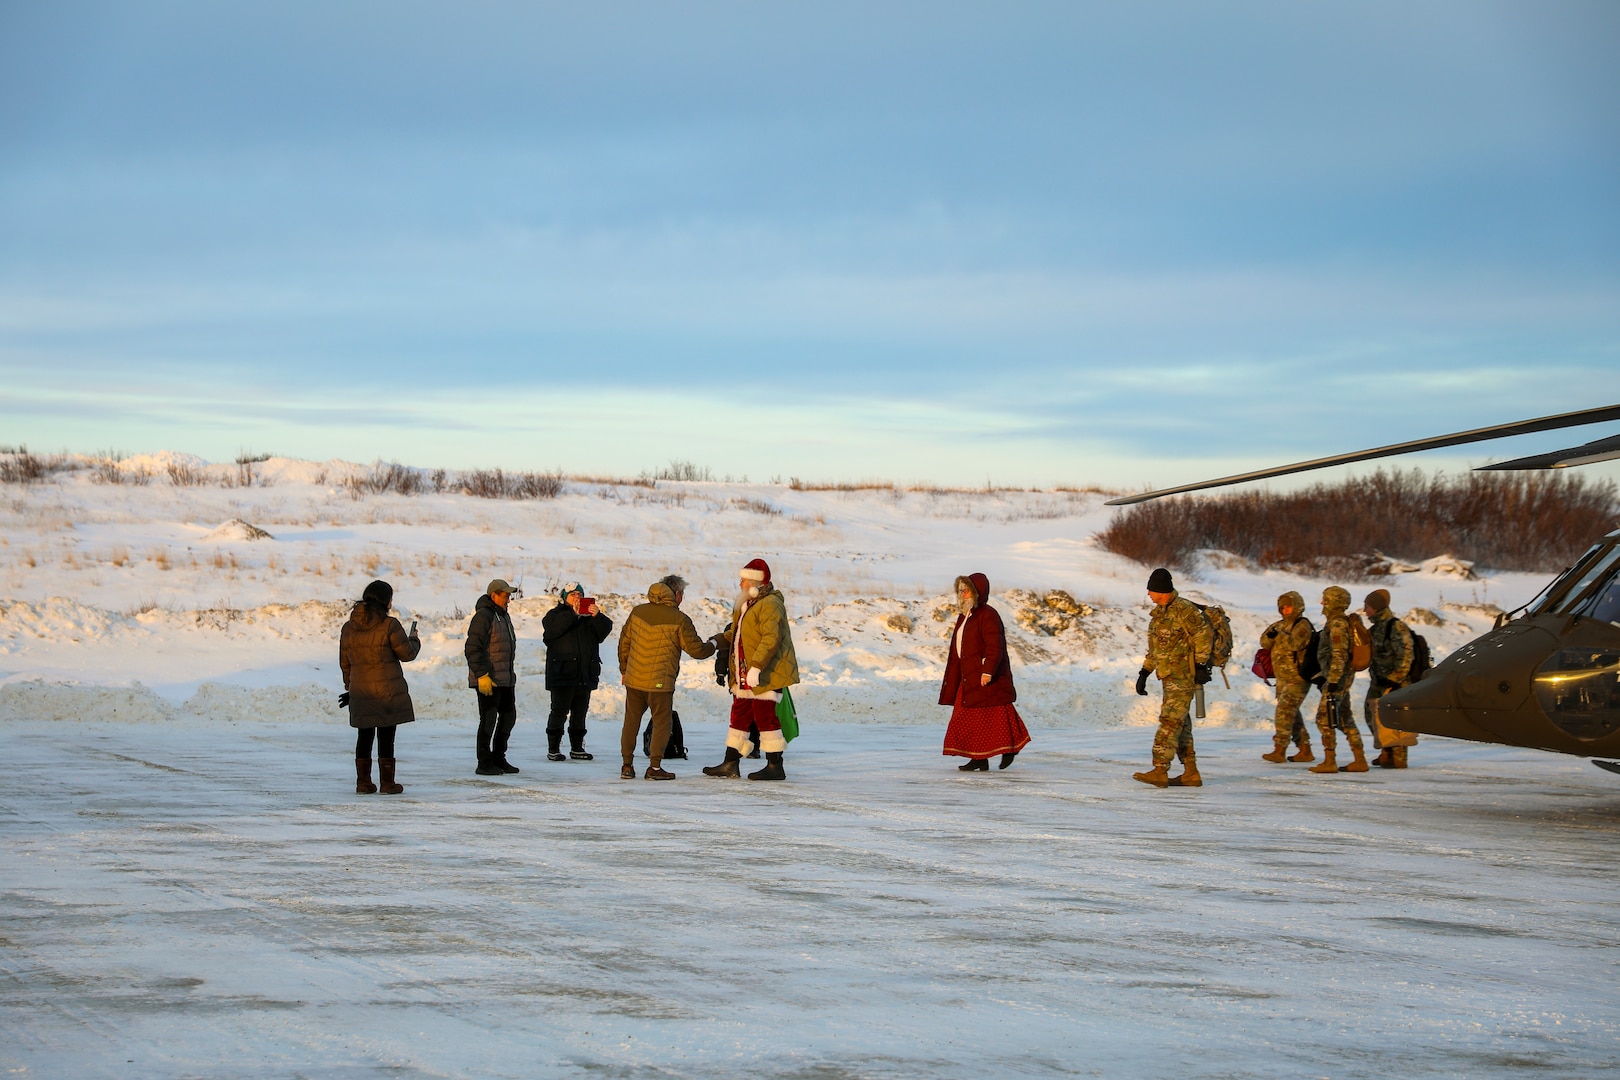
(1585, 454)
(1498, 431)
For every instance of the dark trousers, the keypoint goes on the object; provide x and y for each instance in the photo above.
(497, 713)
(569, 705)
(385, 741)
(637, 702)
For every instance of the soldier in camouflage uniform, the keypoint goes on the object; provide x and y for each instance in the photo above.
(1288, 638)
(1333, 653)
(1391, 663)
(1178, 636)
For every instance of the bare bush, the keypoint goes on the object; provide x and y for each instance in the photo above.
(684, 470)
(183, 475)
(109, 471)
(20, 467)
(757, 506)
(1531, 521)
(495, 484)
(861, 485)
(392, 476)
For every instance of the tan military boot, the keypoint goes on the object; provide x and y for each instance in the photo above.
(1398, 753)
(1304, 753)
(1385, 758)
(1360, 762)
(1279, 752)
(1328, 764)
(1158, 776)
(1189, 774)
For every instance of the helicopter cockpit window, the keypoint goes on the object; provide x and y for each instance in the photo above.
(1569, 601)
(1605, 603)
(1579, 688)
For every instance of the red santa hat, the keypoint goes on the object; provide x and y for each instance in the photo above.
(757, 571)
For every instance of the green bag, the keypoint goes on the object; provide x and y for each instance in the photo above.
(787, 716)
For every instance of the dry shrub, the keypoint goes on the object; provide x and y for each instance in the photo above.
(1530, 521)
(109, 471)
(757, 506)
(495, 484)
(860, 485)
(184, 475)
(20, 467)
(683, 470)
(392, 476)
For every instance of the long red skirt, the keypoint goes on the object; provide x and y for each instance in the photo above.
(984, 732)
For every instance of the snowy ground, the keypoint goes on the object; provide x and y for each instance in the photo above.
(189, 888)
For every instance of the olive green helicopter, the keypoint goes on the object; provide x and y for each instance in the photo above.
(1547, 676)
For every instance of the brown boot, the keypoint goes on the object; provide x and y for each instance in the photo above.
(1328, 764)
(362, 777)
(1189, 774)
(1279, 752)
(1397, 757)
(1158, 776)
(1385, 758)
(385, 775)
(1359, 764)
(1304, 753)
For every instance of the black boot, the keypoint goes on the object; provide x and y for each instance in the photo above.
(554, 750)
(772, 769)
(976, 765)
(1007, 759)
(727, 768)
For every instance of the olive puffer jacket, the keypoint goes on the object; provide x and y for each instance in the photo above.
(491, 647)
(654, 636)
(760, 640)
(369, 652)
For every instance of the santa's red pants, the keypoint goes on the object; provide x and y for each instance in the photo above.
(758, 711)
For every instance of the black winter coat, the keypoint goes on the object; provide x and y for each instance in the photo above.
(573, 647)
(491, 647)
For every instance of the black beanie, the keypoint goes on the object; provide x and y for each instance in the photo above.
(379, 595)
(1159, 581)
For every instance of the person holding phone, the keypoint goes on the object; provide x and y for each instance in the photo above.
(370, 650)
(573, 633)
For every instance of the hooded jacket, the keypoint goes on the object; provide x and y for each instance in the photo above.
(573, 647)
(491, 647)
(1288, 638)
(760, 639)
(654, 636)
(983, 652)
(370, 649)
(1333, 644)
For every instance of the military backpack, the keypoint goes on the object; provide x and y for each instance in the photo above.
(1360, 643)
(1422, 661)
(1221, 649)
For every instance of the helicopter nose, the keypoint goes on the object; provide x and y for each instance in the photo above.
(1430, 707)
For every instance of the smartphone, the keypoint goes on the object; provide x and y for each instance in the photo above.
(413, 626)
(587, 605)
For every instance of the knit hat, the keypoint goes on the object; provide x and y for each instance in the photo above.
(1159, 581)
(1378, 600)
(570, 588)
(757, 571)
(379, 594)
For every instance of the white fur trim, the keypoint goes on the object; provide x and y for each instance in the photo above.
(752, 575)
(739, 741)
(772, 742)
(753, 677)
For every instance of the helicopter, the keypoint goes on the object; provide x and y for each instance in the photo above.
(1547, 676)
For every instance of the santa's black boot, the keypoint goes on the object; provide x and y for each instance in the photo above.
(727, 768)
(772, 769)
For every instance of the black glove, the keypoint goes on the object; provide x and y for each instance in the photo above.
(343, 700)
(1202, 673)
(1141, 682)
(722, 662)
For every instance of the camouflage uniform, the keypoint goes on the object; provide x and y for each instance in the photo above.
(1178, 634)
(1391, 661)
(1333, 653)
(1287, 638)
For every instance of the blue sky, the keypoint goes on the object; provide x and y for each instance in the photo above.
(1035, 243)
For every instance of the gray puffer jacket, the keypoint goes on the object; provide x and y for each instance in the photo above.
(491, 647)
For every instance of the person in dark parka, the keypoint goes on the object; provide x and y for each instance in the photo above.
(573, 632)
(370, 650)
(978, 683)
(491, 652)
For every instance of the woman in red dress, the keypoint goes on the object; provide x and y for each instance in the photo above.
(979, 685)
